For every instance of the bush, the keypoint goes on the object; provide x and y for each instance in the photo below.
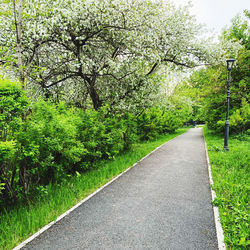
(104, 134)
(47, 142)
(50, 145)
(156, 121)
(240, 119)
(13, 105)
(8, 151)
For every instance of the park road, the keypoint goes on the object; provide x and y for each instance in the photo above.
(164, 202)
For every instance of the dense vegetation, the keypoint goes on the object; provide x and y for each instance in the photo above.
(207, 88)
(46, 142)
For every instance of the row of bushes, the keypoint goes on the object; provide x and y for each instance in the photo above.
(45, 142)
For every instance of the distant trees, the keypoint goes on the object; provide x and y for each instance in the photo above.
(207, 86)
(105, 50)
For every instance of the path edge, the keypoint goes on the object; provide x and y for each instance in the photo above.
(219, 229)
(46, 227)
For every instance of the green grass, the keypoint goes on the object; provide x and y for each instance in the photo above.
(230, 172)
(19, 223)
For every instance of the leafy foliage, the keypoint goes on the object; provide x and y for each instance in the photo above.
(46, 142)
(50, 145)
(13, 104)
(155, 121)
(207, 87)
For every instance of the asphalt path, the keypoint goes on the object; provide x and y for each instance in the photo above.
(164, 202)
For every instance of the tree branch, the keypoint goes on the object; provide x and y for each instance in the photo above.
(55, 83)
(152, 69)
(177, 63)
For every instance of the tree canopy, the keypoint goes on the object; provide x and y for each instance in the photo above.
(106, 50)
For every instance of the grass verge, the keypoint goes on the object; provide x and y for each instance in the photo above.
(230, 172)
(20, 222)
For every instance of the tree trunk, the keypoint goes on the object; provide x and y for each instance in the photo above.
(18, 25)
(97, 103)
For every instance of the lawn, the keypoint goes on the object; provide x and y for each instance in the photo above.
(230, 170)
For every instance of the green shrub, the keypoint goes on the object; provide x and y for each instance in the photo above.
(13, 106)
(156, 121)
(104, 135)
(50, 145)
(8, 151)
(47, 142)
(146, 127)
(130, 134)
(240, 119)
(170, 122)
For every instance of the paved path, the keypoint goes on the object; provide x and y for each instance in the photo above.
(162, 203)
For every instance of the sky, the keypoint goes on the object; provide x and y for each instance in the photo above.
(216, 14)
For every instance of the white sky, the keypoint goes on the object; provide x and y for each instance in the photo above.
(216, 14)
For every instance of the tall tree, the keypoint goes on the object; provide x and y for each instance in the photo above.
(17, 12)
(109, 50)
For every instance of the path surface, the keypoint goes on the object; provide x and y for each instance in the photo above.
(162, 203)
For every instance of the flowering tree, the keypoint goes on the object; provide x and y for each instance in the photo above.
(107, 50)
